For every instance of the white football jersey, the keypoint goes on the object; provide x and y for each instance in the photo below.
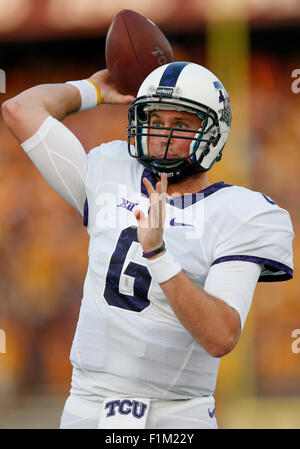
(128, 339)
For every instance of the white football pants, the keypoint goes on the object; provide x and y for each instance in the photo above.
(197, 413)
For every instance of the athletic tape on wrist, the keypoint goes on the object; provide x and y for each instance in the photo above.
(163, 268)
(89, 92)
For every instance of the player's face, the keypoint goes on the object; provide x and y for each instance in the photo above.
(178, 148)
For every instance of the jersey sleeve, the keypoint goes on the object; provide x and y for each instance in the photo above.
(234, 283)
(263, 234)
(61, 159)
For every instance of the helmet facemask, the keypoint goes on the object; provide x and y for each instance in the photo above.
(200, 141)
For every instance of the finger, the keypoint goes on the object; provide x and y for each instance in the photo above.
(149, 186)
(161, 214)
(126, 99)
(164, 183)
(158, 187)
(112, 96)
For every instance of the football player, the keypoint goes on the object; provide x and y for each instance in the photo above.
(173, 259)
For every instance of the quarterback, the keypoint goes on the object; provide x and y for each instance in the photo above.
(173, 260)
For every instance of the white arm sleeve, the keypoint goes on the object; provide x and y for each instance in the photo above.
(61, 159)
(234, 282)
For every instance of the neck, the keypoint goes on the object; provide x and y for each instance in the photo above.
(191, 184)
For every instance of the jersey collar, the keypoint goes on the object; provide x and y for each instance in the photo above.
(181, 202)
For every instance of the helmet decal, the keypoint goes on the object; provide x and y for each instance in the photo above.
(170, 76)
(226, 112)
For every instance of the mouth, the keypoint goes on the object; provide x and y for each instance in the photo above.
(168, 156)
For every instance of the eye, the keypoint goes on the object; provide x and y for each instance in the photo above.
(181, 125)
(157, 124)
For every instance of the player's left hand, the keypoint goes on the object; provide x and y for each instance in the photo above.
(150, 229)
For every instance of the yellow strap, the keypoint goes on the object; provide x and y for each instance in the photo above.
(99, 96)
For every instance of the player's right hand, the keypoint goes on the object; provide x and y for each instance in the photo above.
(150, 228)
(109, 93)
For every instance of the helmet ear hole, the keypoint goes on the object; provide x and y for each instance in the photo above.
(141, 114)
(215, 142)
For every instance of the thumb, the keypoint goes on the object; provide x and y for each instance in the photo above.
(126, 99)
(112, 96)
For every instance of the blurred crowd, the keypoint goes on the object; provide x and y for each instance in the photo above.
(43, 243)
(276, 170)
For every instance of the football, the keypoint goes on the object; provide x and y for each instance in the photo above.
(134, 47)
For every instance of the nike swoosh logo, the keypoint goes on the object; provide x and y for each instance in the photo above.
(211, 414)
(176, 223)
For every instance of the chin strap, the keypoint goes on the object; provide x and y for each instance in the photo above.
(174, 174)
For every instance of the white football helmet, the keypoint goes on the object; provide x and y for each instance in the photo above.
(188, 87)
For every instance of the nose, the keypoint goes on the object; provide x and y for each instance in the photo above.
(162, 132)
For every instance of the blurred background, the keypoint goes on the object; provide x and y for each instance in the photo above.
(253, 47)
